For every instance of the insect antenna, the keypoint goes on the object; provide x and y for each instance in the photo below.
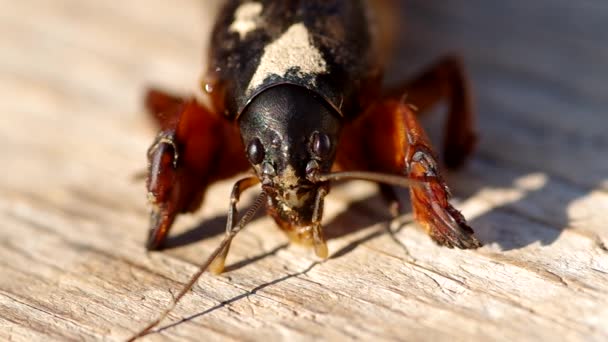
(203, 267)
(374, 177)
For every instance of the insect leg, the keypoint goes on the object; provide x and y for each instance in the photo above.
(194, 148)
(388, 139)
(447, 80)
(163, 107)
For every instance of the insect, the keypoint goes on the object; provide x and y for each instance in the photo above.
(296, 95)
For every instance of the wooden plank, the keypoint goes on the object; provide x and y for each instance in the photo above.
(72, 262)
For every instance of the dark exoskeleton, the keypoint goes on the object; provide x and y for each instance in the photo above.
(296, 94)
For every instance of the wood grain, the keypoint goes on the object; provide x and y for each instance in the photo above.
(73, 133)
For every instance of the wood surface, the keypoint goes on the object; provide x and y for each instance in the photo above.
(73, 220)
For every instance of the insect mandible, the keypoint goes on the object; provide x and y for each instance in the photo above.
(296, 95)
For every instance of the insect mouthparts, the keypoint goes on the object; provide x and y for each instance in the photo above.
(268, 170)
(268, 173)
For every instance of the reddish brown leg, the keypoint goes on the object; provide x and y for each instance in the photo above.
(445, 80)
(387, 138)
(193, 149)
(164, 108)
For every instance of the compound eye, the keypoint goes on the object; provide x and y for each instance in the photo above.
(255, 151)
(320, 145)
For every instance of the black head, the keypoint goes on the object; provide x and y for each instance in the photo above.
(290, 133)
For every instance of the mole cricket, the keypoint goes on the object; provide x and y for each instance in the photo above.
(296, 95)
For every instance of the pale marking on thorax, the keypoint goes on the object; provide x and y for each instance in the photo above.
(293, 49)
(246, 18)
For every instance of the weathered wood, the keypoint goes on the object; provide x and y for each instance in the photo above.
(72, 261)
